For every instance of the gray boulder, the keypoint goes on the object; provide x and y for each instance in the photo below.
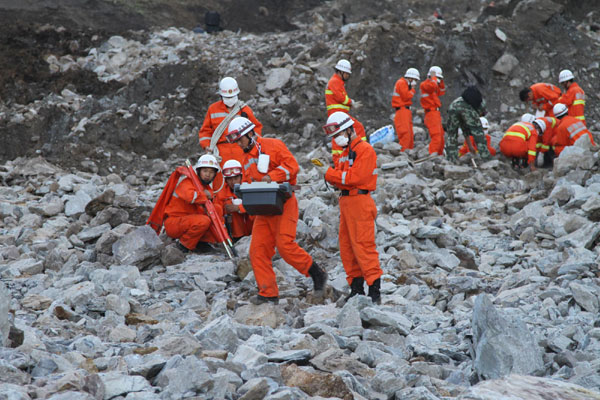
(502, 346)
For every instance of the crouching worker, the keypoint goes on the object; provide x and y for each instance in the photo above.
(356, 176)
(272, 232)
(238, 222)
(519, 143)
(488, 139)
(185, 216)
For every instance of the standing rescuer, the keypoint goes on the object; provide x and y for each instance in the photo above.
(573, 97)
(404, 91)
(336, 99)
(272, 232)
(237, 220)
(186, 218)
(356, 176)
(219, 114)
(431, 90)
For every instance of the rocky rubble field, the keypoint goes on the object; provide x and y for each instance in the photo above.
(491, 275)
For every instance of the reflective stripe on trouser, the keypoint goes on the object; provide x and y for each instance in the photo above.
(513, 147)
(357, 238)
(404, 128)
(227, 151)
(190, 229)
(433, 122)
(276, 231)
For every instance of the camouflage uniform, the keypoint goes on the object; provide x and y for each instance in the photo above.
(464, 116)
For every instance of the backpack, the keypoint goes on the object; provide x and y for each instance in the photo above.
(158, 212)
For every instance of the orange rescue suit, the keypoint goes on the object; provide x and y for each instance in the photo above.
(545, 96)
(356, 175)
(465, 148)
(431, 90)
(574, 99)
(569, 130)
(272, 232)
(401, 101)
(336, 98)
(216, 113)
(544, 143)
(520, 141)
(241, 222)
(186, 218)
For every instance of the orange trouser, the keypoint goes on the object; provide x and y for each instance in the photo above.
(227, 151)
(433, 122)
(276, 231)
(513, 147)
(190, 229)
(404, 128)
(357, 238)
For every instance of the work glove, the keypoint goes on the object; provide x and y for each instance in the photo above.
(320, 165)
(356, 104)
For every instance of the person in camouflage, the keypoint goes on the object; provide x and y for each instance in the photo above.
(464, 113)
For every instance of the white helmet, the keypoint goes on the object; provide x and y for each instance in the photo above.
(232, 168)
(412, 73)
(541, 123)
(228, 87)
(527, 117)
(484, 124)
(559, 110)
(238, 127)
(565, 75)
(209, 161)
(437, 70)
(344, 66)
(337, 122)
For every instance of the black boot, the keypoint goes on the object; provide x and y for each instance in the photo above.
(319, 276)
(548, 159)
(356, 287)
(374, 291)
(258, 300)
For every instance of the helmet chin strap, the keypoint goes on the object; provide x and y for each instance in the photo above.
(250, 145)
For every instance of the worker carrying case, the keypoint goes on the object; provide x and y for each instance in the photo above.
(262, 198)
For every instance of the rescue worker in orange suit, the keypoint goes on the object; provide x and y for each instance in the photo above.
(486, 127)
(272, 232)
(519, 143)
(573, 97)
(238, 221)
(404, 91)
(544, 144)
(431, 90)
(186, 218)
(356, 177)
(336, 99)
(543, 96)
(569, 129)
(213, 131)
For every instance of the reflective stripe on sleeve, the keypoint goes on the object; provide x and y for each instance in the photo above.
(579, 102)
(425, 95)
(346, 100)
(337, 152)
(204, 138)
(250, 162)
(327, 91)
(531, 152)
(218, 115)
(287, 173)
(581, 117)
(343, 107)
(344, 178)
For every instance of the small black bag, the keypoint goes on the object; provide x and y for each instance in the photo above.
(212, 20)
